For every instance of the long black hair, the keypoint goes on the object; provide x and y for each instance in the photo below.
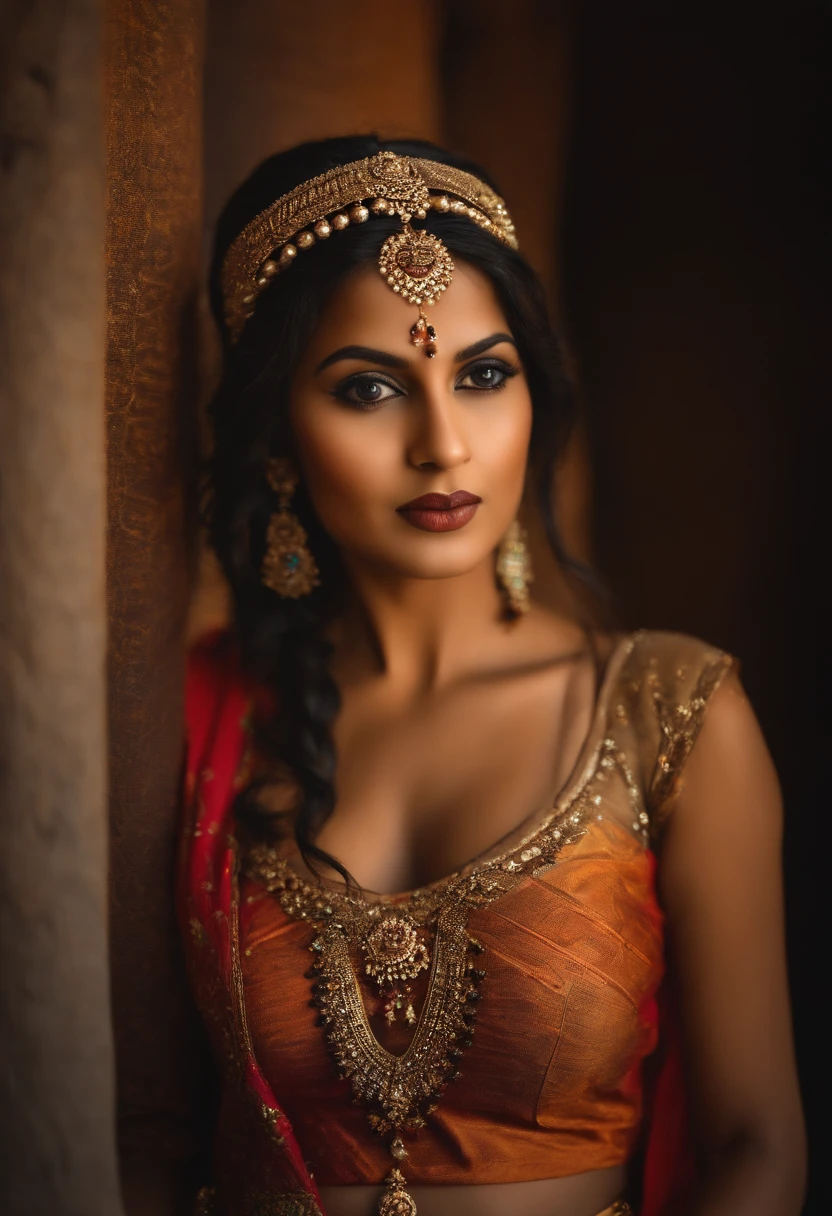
(282, 642)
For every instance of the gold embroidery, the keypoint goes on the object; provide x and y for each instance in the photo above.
(206, 1202)
(401, 1090)
(271, 1116)
(680, 722)
(641, 822)
(257, 1202)
(299, 1204)
(197, 931)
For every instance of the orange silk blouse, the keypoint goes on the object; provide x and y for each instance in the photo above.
(563, 1004)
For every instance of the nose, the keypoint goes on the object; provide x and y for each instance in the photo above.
(438, 439)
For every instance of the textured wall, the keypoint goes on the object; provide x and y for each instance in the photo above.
(57, 1153)
(153, 89)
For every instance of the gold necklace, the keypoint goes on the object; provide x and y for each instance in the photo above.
(397, 943)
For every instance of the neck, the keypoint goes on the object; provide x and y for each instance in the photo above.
(420, 634)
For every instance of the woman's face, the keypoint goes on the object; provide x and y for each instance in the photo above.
(378, 425)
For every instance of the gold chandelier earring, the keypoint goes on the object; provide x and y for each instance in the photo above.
(288, 568)
(514, 569)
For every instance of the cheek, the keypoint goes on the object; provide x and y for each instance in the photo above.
(348, 465)
(503, 440)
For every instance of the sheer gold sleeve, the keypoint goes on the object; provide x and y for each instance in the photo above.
(664, 690)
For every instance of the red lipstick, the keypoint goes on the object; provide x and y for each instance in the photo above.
(441, 512)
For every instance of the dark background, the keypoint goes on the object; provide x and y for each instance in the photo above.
(695, 294)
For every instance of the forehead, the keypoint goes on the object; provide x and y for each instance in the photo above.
(365, 311)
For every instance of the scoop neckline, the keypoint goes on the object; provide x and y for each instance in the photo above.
(579, 776)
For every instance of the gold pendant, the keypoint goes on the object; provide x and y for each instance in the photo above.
(288, 566)
(395, 955)
(393, 951)
(418, 267)
(396, 1201)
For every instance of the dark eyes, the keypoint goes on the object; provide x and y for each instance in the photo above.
(488, 375)
(368, 389)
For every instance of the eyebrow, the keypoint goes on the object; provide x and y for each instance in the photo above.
(368, 354)
(476, 348)
(365, 353)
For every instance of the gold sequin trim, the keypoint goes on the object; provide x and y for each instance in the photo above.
(680, 723)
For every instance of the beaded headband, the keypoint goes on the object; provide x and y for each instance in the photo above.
(415, 264)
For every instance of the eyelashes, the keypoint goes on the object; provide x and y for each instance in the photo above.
(493, 375)
(368, 390)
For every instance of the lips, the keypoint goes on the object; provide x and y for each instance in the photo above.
(442, 502)
(441, 512)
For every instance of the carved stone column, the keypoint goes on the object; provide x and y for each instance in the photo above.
(56, 1085)
(153, 78)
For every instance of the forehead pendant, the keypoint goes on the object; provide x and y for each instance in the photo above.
(414, 264)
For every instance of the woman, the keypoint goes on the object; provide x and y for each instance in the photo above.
(423, 994)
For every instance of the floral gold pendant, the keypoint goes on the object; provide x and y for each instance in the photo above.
(396, 1201)
(395, 955)
(393, 950)
(417, 266)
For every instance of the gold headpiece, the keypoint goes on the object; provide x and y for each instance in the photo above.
(414, 263)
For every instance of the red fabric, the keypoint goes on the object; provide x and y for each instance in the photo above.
(668, 1159)
(217, 701)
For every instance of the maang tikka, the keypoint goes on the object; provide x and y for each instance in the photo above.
(288, 568)
(415, 264)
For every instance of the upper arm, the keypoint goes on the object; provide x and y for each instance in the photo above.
(720, 882)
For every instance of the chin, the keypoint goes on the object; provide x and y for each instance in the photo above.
(437, 565)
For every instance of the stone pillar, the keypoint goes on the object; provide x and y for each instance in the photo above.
(153, 79)
(57, 1153)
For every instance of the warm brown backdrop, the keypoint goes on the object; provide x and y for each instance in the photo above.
(662, 170)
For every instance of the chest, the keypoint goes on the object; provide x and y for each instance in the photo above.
(422, 790)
